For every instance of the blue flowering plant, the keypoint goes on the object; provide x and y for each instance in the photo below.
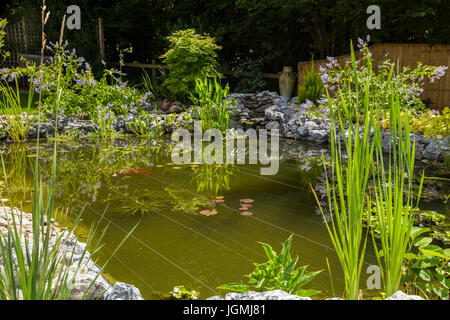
(408, 81)
(69, 87)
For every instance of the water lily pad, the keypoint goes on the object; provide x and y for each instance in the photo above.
(246, 213)
(208, 212)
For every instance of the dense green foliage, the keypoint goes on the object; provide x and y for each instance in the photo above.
(190, 57)
(426, 271)
(278, 272)
(347, 193)
(39, 266)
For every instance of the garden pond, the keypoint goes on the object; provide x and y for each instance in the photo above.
(191, 231)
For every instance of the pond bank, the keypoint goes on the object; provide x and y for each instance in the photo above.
(262, 110)
(270, 111)
(101, 289)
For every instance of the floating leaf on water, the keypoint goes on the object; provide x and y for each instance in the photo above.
(208, 212)
(246, 213)
(247, 200)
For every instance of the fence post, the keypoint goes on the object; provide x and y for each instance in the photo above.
(101, 38)
(154, 73)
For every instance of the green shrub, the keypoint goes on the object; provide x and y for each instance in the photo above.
(277, 273)
(312, 88)
(190, 57)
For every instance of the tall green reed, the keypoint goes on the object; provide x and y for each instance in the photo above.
(211, 106)
(347, 190)
(394, 208)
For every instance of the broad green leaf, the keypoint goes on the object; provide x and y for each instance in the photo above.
(422, 241)
(426, 275)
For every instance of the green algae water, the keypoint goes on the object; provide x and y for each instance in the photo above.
(192, 231)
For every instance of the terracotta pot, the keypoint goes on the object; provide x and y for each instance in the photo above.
(287, 82)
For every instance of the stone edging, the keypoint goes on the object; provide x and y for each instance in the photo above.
(101, 289)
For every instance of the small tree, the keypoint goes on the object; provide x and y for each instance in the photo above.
(190, 57)
(3, 54)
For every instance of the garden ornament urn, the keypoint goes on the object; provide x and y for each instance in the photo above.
(287, 82)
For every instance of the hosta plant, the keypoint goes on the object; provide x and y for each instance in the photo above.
(278, 273)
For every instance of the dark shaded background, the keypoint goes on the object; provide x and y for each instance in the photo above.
(259, 35)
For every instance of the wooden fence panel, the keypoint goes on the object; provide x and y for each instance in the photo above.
(406, 55)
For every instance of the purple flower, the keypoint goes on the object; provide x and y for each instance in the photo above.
(439, 72)
(325, 78)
